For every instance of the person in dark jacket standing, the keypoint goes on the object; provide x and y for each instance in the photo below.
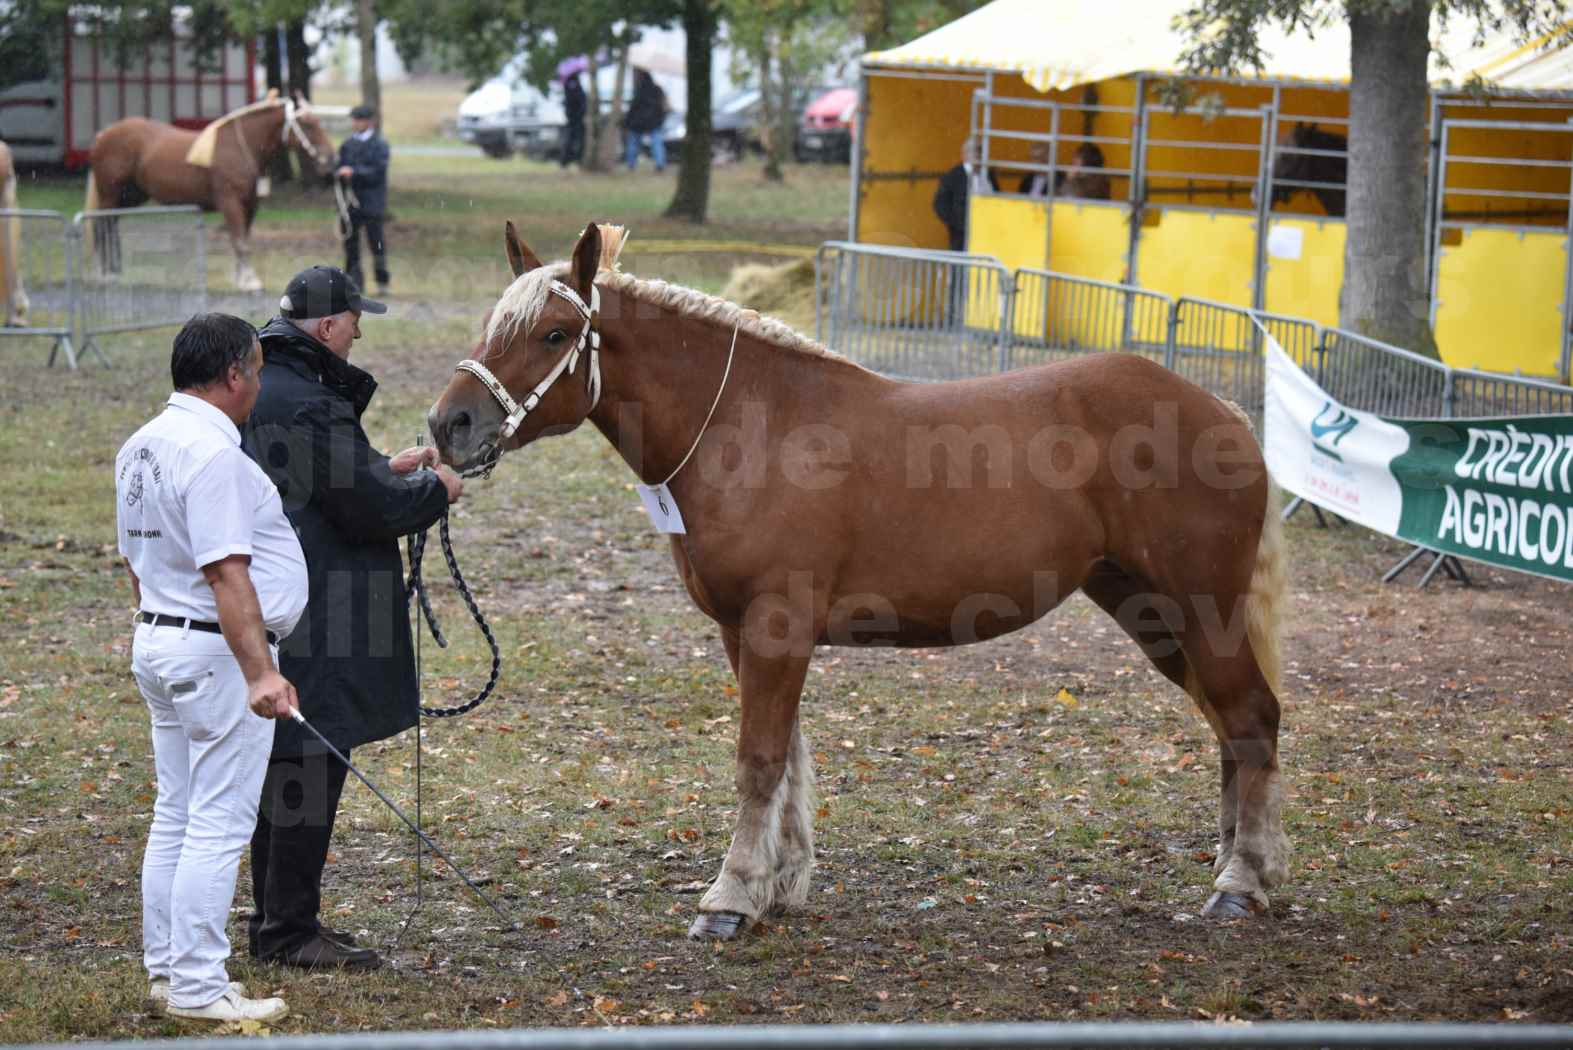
(363, 165)
(352, 657)
(574, 107)
(646, 114)
(955, 186)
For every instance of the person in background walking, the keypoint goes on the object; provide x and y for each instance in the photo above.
(574, 106)
(218, 576)
(646, 113)
(363, 165)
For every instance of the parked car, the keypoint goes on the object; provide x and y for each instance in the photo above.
(506, 115)
(825, 132)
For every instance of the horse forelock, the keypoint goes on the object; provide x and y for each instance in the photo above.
(522, 302)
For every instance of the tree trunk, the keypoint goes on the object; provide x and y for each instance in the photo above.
(299, 59)
(370, 82)
(1384, 292)
(770, 114)
(282, 167)
(692, 199)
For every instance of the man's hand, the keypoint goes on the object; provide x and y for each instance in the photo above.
(452, 482)
(271, 696)
(345, 172)
(413, 459)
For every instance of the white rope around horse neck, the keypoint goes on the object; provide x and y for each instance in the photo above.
(711, 414)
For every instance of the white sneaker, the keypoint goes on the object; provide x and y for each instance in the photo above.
(233, 1006)
(158, 994)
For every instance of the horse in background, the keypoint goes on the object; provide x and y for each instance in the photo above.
(219, 168)
(11, 246)
(845, 534)
(1329, 167)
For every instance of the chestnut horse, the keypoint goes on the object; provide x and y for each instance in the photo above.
(137, 159)
(11, 290)
(827, 505)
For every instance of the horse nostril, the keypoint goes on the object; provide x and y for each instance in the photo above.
(459, 425)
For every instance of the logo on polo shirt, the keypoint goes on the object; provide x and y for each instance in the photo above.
(140, 459)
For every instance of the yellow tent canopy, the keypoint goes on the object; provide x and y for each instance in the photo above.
(1059, 44)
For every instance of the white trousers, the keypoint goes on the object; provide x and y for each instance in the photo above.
(211, 754)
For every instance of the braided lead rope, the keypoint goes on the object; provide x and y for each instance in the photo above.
(415, 585)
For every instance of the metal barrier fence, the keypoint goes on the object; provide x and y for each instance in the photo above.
(1179, 1035)
(1058, 316)
(138, 268)
(912, 313)
(40, 294)
(1040, 316)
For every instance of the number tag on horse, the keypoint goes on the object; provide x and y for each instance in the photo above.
(264, 186)
(662, 508)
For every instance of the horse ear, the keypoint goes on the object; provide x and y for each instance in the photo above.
(520, 258)
(586, 260)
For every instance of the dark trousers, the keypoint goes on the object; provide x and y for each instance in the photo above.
(300, 798)
(379, 248)
(573, 143)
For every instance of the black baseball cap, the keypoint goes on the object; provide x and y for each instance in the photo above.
(363, 112)
(323, 291)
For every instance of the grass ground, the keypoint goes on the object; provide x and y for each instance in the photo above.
(1017, 830)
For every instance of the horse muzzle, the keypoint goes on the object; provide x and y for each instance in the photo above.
(467, 436)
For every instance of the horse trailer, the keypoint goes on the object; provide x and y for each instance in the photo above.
(56, 97)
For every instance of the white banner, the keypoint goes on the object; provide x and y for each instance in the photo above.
(1333, 456)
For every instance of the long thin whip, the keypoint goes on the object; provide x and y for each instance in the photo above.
(300, 720)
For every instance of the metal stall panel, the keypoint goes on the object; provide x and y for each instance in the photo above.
(901, 168)
(36, 279)
(1207, 255)
(1305, 267)
(1091, 240)
(1499, 300)
(1059, 316)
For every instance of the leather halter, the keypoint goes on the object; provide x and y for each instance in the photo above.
(589, 335)
(292, 126)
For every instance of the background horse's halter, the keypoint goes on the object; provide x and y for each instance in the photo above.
(589, 335)
(292, 127)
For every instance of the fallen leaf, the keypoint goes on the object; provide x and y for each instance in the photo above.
(1064, 697)
(560, 999)
(546, 922)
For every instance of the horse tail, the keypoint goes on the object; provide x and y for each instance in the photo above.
(1266, 602)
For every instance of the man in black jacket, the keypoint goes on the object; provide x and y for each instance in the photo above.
(352, 657)
(363, 165)
(955, 186)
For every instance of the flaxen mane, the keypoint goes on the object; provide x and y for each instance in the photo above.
(201, 151)
(521, 303)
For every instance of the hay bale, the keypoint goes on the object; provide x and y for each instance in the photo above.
(785, 291)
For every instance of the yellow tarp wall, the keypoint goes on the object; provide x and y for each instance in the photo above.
(1209, 255)
(1499, 293)
(1308, 286)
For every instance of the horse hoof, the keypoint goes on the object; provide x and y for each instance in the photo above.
(1231, 906)
(717, 926)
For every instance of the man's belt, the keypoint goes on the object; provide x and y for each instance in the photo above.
(165, 620)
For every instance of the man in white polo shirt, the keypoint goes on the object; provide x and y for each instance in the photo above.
(219, 578)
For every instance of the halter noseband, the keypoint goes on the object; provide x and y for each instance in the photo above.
(589, 335)
(291, 125)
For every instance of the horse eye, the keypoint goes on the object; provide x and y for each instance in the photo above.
(555, 337)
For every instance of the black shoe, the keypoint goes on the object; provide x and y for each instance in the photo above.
(320, 953)
(344, 937)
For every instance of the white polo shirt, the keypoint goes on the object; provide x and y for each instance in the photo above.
(187, 496)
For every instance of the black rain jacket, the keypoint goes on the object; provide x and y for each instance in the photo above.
(352, 657)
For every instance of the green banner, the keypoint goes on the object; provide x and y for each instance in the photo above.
(1494, 490)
